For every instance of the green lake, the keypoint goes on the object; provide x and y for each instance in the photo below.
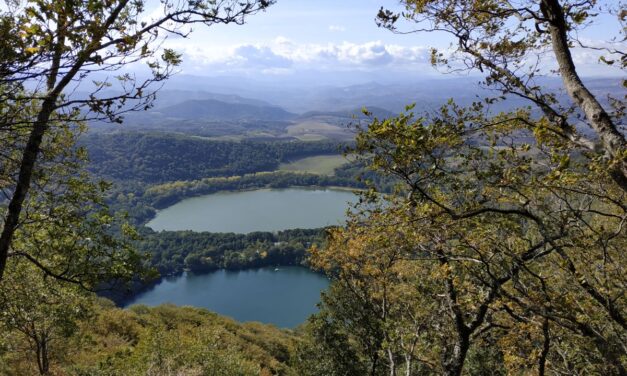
(283, 296)
(258, 210)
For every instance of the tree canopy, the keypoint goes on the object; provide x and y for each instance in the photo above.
(58, 239)
(503, 249)
(49, 47)
(516, 42)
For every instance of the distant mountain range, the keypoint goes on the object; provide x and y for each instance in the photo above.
(285, 111)
(428, 93)
(179, 106)
(168, 98)
(216, 110)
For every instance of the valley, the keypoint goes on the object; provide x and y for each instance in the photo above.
(313, 188)
(215, 180)
(215, 209)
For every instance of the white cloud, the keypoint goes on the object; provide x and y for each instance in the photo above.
(367, 54)
(589, 58)
(282, 55)
(259, 57)
(337, 28)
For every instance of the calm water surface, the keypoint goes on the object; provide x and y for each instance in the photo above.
(258, 210)
(283, 297)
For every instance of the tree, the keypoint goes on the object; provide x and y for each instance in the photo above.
(375, 307)
(67, 244)
(329, 348)
(491, 237)
(515, 219)
(49, 46)
(45, 312)
(508, 42)
(67, 230)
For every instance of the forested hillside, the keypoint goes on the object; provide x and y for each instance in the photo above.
(147, 341)
(215, 110)
(156, 157)
(173, 251)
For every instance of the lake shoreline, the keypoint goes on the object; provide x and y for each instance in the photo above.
(256, 210)
(313, 187)
(281, 295)
(120, 298)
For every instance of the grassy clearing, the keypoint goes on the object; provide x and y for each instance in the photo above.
(315, 130)
(311, 137)
(320, 164)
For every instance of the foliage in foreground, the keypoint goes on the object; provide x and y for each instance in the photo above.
(505, 250)
(496, 256)
(165, 340)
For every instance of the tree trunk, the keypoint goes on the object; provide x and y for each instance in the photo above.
(41, 124)
(42, 356)
(453, 362)
(373, 367)
(613, 141)
(454, 365)
(27, 165)
(392, 363)
(546, 346)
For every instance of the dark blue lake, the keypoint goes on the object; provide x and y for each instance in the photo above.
(283, 297)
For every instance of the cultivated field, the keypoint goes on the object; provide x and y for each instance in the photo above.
(320, 164)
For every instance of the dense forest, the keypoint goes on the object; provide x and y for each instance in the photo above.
(160, 157)
(173, 251)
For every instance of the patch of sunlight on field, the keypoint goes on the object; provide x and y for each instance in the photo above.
(311, 137)
(320, 164)
(312, 127)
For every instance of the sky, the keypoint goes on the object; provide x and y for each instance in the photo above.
(330, 40)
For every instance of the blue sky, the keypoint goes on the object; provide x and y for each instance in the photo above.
(329, 38)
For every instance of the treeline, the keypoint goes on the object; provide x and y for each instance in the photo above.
(164, 195)
(172, 252)
(361, 177)
(160, 157)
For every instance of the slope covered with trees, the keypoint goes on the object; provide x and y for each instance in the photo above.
(215, 110)
(498, 257)
(157, 157)
(155, 341)
(173, 251)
